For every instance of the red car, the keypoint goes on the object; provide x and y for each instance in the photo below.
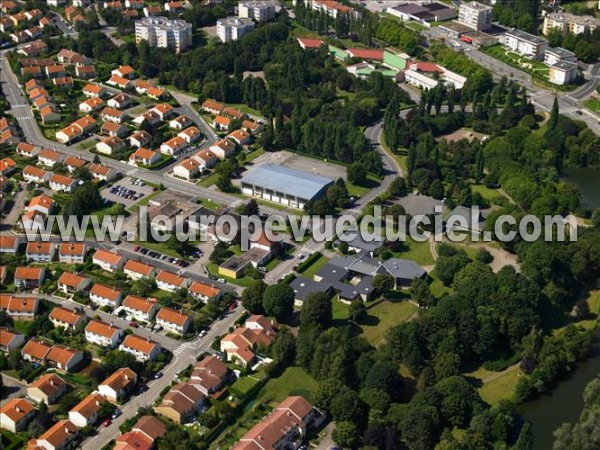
(106, 423)
(133, 324)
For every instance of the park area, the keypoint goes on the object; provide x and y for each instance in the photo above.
(532, 67)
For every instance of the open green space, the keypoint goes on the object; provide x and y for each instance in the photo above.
(358, 191)
(384, 315)
(294, 381)
(315, 266)
(491, 195)
(593, 104)
(209, 180)
(416, 251)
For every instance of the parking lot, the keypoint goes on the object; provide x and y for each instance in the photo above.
(304, 163)
(127, 191)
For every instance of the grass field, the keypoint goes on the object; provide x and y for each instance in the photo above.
(294, 381)
(500, 388)
(340, 310)
(383, 316)
(594, 302)
(208, 181)
(314, 267)
(210, 204)
(593, 104)
(491, 195)
(417, 252)
(359, 191)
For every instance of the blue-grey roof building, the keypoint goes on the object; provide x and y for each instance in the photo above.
(290, 187)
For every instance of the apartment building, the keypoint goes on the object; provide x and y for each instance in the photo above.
(569, 23)
(163, 32)
(233, 28)
(526, 44)
(259, 10)
(475, 15)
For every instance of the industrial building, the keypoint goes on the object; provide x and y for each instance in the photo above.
(284, 185)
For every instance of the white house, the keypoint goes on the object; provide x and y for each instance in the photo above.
(187, 169)
(173, 146)
(85, 413)
(173, 320)
(118, 384)
(168, 281)
(140, 308)
(109, 261)
(103, 334)
(143, 349)
(62, 183)
(103, 295)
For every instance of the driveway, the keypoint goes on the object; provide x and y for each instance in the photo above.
(11, 388)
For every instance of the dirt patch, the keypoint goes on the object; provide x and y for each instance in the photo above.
(464, 133)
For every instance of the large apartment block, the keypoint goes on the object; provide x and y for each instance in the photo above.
(259, 10)
(163, 32)
(233, 28)
(526, 44)
(571, 23)
(475, 15)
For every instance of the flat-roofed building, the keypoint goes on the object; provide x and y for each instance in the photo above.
(475, 15)
(526, 44)
(279, 184)
(233, 28)
(163, 32)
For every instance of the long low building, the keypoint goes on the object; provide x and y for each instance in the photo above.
(284, 185)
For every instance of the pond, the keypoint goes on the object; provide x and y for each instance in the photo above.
(565, 403)
(588, 181)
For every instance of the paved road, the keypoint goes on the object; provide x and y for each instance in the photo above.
(392, 169)
(183, 356)
(18, 203)
(12, 388)
(570, 104)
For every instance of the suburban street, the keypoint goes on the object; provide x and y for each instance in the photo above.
(183, 355)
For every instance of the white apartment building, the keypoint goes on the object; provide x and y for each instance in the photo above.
(558, 54)
(233, 28)
(526, 44)
(475, 15)
(571, 23)
(259, 10)
(563, 72)
(163, 32)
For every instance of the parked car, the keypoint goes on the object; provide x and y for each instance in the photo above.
(116, 413)
(133, 324)
(158, 375)
(106, 423)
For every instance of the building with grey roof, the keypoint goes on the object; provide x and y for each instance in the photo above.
(558, 54)
(525, 44)
(358, 244)
(290, 187)
(303, 287)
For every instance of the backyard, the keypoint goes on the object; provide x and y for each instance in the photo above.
(383, 316)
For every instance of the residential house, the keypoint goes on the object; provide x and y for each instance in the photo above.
(240, 137)
(174, 146)
(26, 150)
(15, 414)
(62, 183)
(143, 349)
(49, 158)
(136, 270)
(66, 318)
(240, 345)
(210, 374)
(35, 351)
(145, 157)
(142, 435)
(55, 71)
(114, 129)
(41, 204)
(182, 402)
(168, 281)
(284, 428)
(221, 123)
(85, 72)
(103, 295)
(212, 106)
(190, 134)
(63, 358)
(85, 413)
(73, 163)
(113, 115)
(66, 56)
(72, 252)
(71, 283)
(124, 72)
(94, 90)
(115, 387)
(204, 292)
(40, 252)
(47, 389)
(10, 340)
(187, 169)
(110, 145)
(33, 174)
(156, 93)
(58, 437)
(164, 111)
(142, 309)
(91, 104)
(49, 115)
(103, 334)
(251, 126)
(7, 166)
(9, 244)
(120, 101)
(173, 320)
(180, 122)
(29, 277)
(223, 148)
(19, 308)
(139, 138)
(120, 82)
(205, 159)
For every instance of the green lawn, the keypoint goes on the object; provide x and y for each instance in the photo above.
(593, 104)
(254, 154)
(358, 191)
(383, 316)
(294, 381)
(243, 385)
(208, 181)
(340, 310)
(594, 302)
(315, 266)
(501, 388)
(214, 270)
(210, 204)
(491, 195)
(245, 109)
(10, 441)
(417, 252)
